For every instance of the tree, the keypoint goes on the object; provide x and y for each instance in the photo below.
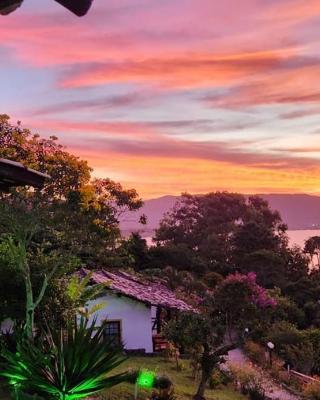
(68, 173)
(268, 266)
(202, 226)
(80, 292)
(224, 232)
(286, 310)
(258, 243)
(219, 325)
(84, 212)
(74, 219)
(296, 264)
(136, 247)
(240, 299)
(19, 243)
(312, 247)
(197, 330)
(261, 229)
(88, 220)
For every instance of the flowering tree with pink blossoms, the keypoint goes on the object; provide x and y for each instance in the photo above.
(219, 325)
(241, 299)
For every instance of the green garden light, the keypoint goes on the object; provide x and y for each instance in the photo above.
(145, 380)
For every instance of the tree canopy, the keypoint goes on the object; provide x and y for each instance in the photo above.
(72, 221)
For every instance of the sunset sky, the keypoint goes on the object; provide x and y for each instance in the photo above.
(170, 96)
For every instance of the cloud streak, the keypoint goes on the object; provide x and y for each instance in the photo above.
(188, 95)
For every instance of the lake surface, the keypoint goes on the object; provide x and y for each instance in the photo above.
(295, 237)
(300, 236)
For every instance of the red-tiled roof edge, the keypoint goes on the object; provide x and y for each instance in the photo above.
(151, 293)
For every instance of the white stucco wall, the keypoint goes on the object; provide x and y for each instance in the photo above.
(135, 317)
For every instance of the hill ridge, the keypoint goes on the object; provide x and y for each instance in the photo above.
(298, 211)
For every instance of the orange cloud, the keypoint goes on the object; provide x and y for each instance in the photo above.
(191, 55)
(294, 84)
(149, 139)
(120, 129)
(192, 70)
(154, 176)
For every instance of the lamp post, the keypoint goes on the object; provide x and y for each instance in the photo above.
(245, 334)
(270, 346)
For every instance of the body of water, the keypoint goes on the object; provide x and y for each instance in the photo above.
(297, 237)
(300, 236)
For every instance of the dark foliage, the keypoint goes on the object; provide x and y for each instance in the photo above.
(65, 365)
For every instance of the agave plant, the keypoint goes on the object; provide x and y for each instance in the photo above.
(66, 366)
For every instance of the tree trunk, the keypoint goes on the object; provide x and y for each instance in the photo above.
(32, 304)
(202, 387)
(177, 358)
(229, 326)
(29, 302)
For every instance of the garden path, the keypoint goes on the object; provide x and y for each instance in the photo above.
(273, 390)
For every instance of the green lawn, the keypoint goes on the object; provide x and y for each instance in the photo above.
(185, 387)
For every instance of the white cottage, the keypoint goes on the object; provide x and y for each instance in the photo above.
(134, 309)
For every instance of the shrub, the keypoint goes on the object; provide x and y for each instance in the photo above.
(195, 356)
(162, 382)
(249, 382)
(301, 357)
(256, 392)
(218, 378)
(313, 336)
(255, 352)
(283, 333)
(276, 368)
(312, 391)
(300, 348)
(165, 389)
(289, 380)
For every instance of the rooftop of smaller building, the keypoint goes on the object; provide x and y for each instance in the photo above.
(151, 293)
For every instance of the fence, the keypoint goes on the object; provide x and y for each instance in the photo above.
(303, 378)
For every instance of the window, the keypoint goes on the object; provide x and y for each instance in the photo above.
(112, 331)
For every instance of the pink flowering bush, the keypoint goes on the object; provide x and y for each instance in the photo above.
(259, 295)
(241, 299)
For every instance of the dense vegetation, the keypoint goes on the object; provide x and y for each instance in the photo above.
(73, 221)
(226, 254)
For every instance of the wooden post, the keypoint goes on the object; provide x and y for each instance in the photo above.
(158, 319)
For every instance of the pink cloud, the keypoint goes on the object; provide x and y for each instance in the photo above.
(169, 53)
(148, 139)
(293, 84)
(130, 99)
(193, 70)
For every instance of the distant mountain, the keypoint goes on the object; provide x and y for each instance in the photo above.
(298, 211)
(154, 209)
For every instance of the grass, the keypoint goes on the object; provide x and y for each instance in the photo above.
(185, 386)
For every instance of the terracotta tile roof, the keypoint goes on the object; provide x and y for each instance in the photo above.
(152, 293)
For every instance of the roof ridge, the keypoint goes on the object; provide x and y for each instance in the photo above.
(149, 292)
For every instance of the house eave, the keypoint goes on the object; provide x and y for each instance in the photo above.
(14, 173)
(147, 292)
